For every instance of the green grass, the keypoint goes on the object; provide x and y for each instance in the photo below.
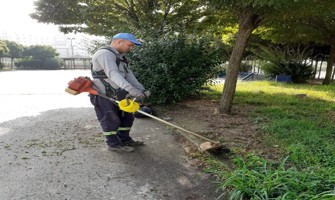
(304, 127)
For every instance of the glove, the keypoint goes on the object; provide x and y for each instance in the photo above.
(147, 93)
(136, 93)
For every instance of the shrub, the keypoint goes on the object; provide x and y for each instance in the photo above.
(52, 63)
(245, 67)
(299, 72)
(286, 60)
(173, 68)
(34, 63)
(29, 63)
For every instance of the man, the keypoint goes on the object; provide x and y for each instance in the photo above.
(112, 76)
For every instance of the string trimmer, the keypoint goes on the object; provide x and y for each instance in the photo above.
(84, 84)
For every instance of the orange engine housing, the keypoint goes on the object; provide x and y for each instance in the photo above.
(82, 84)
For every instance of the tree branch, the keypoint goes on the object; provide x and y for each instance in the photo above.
(166, 13)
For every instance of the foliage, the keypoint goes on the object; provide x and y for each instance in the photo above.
(15, 49)
(3, 48)
(320, 52)
(262, 9)
(35, 63)
(145, 17)
(250, 14)
(39, 57)
(307, 21)
(52, 63)
(286, 60)
(302, 127)
(299, 72)
(28, 63)
(32, 57)
(3, 51)
(245, 67)
(312, 22)
(41, 52)
(257, 178)
(174, 68)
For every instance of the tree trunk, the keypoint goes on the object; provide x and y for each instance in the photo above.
(11, 63)
(315, 69)
(247, 23)
(329, 69)
(319, 73)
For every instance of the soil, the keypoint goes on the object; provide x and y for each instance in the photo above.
(236, 131)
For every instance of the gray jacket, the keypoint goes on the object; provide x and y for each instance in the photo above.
(118, 76)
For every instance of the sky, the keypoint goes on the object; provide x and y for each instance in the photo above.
(16, 25)
(14, 17)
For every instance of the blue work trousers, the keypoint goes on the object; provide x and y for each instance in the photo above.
(115, 123)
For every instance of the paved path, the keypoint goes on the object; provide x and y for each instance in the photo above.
(54, 150)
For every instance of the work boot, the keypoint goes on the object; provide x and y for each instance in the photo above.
(133, 143)
(121, 148)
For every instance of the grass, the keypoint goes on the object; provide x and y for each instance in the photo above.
(301, 119)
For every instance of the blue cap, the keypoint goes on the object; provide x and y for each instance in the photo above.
(127, 36)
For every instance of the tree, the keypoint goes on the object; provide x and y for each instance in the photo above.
(40, 52)
(39, 57)
(3, 48)
(15, 51)
(3, 51)
(250, 15)
(313, 22)
(319, 22)
(286, 60)
(145, 17)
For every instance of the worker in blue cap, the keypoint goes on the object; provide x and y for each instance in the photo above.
(112, 76)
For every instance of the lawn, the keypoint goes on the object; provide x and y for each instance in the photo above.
(299, 119)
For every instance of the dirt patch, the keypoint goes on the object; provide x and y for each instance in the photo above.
(236, 131)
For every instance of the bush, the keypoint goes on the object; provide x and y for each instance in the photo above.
(28, 63)
(174, 68)
(34, 63)
(299, 72)
(245, 67)
(286, 60)
(52, 63)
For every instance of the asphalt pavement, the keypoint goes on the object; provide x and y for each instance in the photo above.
(51, 148)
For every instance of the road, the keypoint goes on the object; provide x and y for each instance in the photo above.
(28, 93)
(51, 148)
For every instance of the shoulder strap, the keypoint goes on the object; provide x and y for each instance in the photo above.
(117, 57)
(101, 74)
(118, 60)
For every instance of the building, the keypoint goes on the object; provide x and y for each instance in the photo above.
(66, 45)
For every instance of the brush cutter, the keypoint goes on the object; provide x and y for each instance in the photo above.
(84, 84)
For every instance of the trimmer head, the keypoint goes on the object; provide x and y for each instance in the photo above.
(215, 148)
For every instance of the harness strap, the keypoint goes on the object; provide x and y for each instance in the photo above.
(101, 75)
